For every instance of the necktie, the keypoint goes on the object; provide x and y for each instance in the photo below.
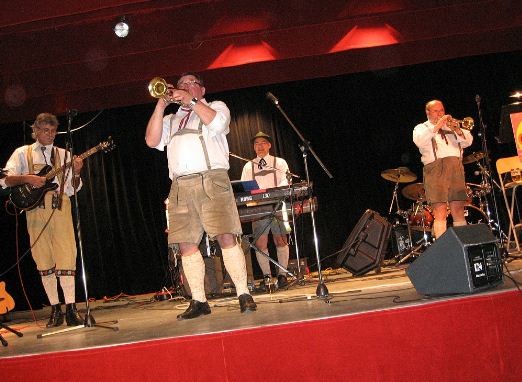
(261, 163)
(43, 153)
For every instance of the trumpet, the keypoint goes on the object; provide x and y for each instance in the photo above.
(158, 88)
(464, 124)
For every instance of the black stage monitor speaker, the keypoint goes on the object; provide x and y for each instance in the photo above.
(463, 260)
(365, 247)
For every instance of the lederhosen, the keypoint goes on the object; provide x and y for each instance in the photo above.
(53, 241)
(187, 178)
(453, 179)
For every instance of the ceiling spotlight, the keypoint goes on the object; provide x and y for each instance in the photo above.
(516, 94)
(122, 28)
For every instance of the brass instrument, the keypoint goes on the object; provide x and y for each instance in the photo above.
(158, 88)
(464, 124)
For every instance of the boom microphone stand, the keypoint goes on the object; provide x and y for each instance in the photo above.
(89, 319)
(322, 290)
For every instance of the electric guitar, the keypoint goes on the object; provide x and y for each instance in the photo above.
(6, 301)
(26, 197)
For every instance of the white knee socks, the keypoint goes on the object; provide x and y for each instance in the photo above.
(68, 288)
(283, 253)
(194, 268)
(50, 285)
(234, 260)
(263, 262)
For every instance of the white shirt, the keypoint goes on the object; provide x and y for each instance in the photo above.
(17, 164)
(185, 152)
(265, 176)
(422, 137)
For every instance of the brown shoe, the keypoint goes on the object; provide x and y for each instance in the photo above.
(195, 309)
(246, 303)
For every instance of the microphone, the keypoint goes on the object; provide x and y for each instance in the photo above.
(477, 99)
(72, 112)
(272, 98)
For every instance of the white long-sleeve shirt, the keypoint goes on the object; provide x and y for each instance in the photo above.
(185, 152)
(423, 135)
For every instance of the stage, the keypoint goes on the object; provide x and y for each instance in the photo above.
(371, 328)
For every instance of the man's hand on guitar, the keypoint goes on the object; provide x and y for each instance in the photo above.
(35, 180)
(77, 165)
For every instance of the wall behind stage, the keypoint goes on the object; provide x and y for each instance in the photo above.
(358, 124)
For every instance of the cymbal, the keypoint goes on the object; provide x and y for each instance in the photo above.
(473, 157)
(399, 175)
(414, 191)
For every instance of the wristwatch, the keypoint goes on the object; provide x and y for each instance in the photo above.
(193, 102)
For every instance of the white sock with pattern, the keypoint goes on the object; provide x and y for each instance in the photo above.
(50, 285)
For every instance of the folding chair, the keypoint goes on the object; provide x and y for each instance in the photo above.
(505, 166)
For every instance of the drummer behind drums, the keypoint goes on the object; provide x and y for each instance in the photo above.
(441, 153)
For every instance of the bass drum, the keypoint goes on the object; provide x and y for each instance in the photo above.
(475, 215)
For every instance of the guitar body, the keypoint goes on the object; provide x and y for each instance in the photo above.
(27, 197)
(6, 301)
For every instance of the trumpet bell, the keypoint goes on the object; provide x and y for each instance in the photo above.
(467, 123)
(158, 87)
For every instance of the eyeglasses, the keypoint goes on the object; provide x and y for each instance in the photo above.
(47, 131)
(187, 84)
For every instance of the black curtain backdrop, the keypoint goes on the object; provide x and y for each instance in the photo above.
(358, 124)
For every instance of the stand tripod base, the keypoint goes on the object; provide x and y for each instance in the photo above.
(88, 323)
(3, 326)
(322, 290)
(413, 252)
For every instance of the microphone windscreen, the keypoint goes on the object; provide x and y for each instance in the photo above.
(272, 98)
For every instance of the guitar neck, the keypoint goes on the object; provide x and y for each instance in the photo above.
(55, 171)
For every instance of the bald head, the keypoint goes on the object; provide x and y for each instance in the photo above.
(434, 110)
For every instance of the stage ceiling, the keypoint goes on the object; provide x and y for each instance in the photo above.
(59, 55)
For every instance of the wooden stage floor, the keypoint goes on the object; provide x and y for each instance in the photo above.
(142, 318)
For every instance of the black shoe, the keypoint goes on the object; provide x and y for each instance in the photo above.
(195, 309)
(246, 303)
(71, 315)
(56, 318)
(282, 281)
(267, 284)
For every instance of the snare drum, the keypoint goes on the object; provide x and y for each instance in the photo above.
(421, 218)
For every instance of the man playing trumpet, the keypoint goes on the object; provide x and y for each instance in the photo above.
(201, 197)
(440, 141)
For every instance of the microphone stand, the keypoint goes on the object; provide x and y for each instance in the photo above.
(322, 290)
(89, 319)
(487, 174)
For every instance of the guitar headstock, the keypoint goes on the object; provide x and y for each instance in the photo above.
(107, 145)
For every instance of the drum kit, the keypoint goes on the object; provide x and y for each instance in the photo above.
(412, 227)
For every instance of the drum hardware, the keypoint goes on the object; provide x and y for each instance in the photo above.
(421, 215)
(415, 192)
(475, 157)
(397, 175)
